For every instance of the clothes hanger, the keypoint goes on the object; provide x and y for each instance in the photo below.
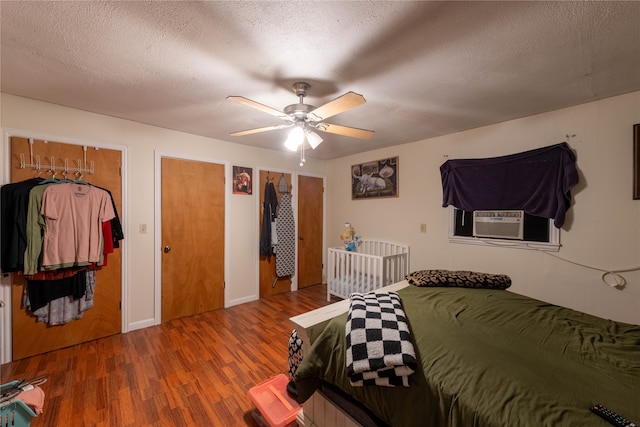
(52, 179)
(64, 178)
(79, 180)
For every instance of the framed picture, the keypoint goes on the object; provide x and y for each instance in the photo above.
(636, 162)
(242, 180)
(375, 179)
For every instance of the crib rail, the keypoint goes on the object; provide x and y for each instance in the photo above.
(375, 264)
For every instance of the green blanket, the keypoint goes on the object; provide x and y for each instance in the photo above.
(494, 358)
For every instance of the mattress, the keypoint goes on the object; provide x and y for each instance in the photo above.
(357, 282)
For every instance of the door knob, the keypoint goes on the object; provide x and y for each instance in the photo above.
(300, 237)
(167, 249)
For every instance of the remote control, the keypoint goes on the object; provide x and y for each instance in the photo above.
(612, 417)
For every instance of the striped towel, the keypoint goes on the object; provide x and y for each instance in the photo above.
(379, 348)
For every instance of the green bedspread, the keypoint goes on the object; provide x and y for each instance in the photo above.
(494, 358)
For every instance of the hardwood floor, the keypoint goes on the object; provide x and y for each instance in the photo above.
(194, 371)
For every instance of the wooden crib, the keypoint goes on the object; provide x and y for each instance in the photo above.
(375, 263)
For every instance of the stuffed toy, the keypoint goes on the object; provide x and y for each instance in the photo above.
(349, 238)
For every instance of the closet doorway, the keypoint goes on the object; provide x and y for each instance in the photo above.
(310, 238)
(105, 317)
(270, 283)
(193, 224)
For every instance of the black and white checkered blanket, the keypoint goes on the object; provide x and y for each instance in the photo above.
(379, 348)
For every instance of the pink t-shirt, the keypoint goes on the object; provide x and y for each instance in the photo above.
(73, 215)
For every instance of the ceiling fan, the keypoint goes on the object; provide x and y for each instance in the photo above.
(305, 118)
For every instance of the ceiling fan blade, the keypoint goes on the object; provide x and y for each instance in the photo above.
(342, 103)
(258, 130)
(345, 130)
(253, 104)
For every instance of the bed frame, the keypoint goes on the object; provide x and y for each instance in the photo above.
(375, 264)
(319, 411)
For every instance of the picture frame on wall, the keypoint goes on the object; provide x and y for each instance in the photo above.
(375, 179)
(636, 161)
(242, 180)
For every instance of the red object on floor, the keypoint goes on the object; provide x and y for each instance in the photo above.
(273, 401)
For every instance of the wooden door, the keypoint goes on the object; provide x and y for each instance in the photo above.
(270, 283)
(193, 210)
(104, 318)
(310, 217)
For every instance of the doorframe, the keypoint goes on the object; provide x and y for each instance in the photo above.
(294, 207)
(6, 338)
(157, 259)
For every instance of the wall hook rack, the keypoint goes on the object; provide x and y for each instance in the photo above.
(81, 165)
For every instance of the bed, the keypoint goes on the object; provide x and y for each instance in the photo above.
(375, 264)
(486, 358)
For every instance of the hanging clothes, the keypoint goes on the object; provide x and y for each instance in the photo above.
(65, 309)
(111, 230)
(72, 226)
(117, 234)
(73, 215)
(282, 188)
(269, 206)
(108, 242)
(42, 292)
(14, 205)
(35, 230)
(286, 257)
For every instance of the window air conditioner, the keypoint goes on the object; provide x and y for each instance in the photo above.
(498, 224)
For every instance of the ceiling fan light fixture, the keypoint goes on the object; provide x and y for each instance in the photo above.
(295, 138)
(313, 138)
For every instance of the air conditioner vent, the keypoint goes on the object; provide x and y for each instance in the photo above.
(498, 224)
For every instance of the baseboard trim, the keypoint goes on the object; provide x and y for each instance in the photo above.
(141, 324)
(239, 301)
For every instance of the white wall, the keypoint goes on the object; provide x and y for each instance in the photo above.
(602, 227)
(142, 141)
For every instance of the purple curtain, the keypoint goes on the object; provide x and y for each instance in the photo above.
(537, 181)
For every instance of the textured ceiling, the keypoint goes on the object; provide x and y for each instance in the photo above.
(425, 68)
